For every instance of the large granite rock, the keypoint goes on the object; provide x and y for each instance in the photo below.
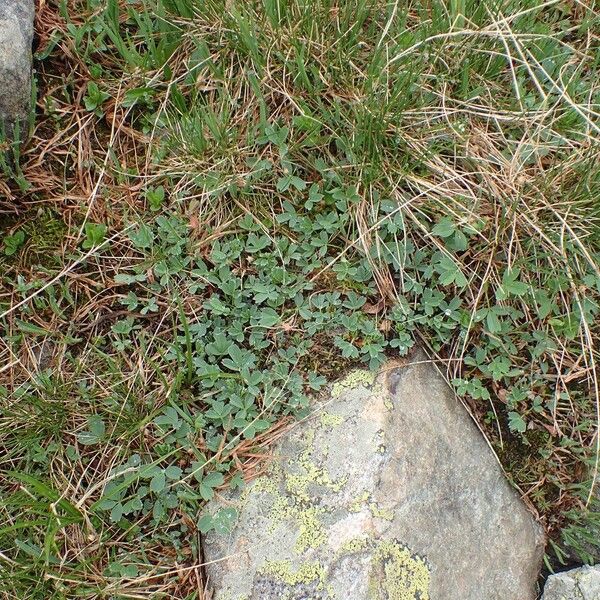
(388, 492)
(577, 584)
(16, 38)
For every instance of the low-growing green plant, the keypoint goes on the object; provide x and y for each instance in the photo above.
(95, 98)
(13, 242)
(94, 235)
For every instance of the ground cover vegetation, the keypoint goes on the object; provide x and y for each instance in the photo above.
(223, 205)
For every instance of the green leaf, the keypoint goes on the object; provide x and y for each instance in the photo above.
(545, 306)
(209, 482)
(142, 238)
(137, 504)
(220, 346)
(105, 504)
(169, 417)
(298, 183)
(214, 479)
(444, 228)
(116, 513)
(224, 520)
(458, 242)
(39, 487)
(95, 434)
(493, 322)
(348, 350)
(198, 470)
(511, 286)
(516, 422)
(149, 471)
(268, 317)
(158, 510)
(32, 550)
(256, 243)
(123, 327)
(13, 242)
(450, 272)
(94, 234)
(214, 304)
(131, 97)
(126, 279)
(94, 97)
(158, 482)
(173, 472)
(283, 183)
(205, 524)
(96, 425)
(31, 328)
(206, 492)
(156, 198)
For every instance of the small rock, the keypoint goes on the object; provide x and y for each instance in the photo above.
(577, 584)
(16, 38)
(388, 493)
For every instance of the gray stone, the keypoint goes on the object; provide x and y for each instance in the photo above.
(16, 38)
(388, 491)
(577, 584)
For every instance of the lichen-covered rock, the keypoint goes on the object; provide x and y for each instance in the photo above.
(577, 584)
(16, 38)
(389, 492)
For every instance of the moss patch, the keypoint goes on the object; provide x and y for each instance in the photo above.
(44, 235)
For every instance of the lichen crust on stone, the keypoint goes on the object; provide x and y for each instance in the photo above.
(354, 379)
(380, 512)
(354, 545)
(291, 499)
(330, 419)
(359, 502)
(283, 571)
(398, 574)
(307, 472)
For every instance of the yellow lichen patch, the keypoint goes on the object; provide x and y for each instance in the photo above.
(357, 544)
(359, 502)
(295, 504)
(331, 420)
(381, 513)
(283, 571)
(310, 473)
(376, 511)
(405, 576)
(388, 402)
(266, 484)
(312, 533)
(352, 380)
(281, 509)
